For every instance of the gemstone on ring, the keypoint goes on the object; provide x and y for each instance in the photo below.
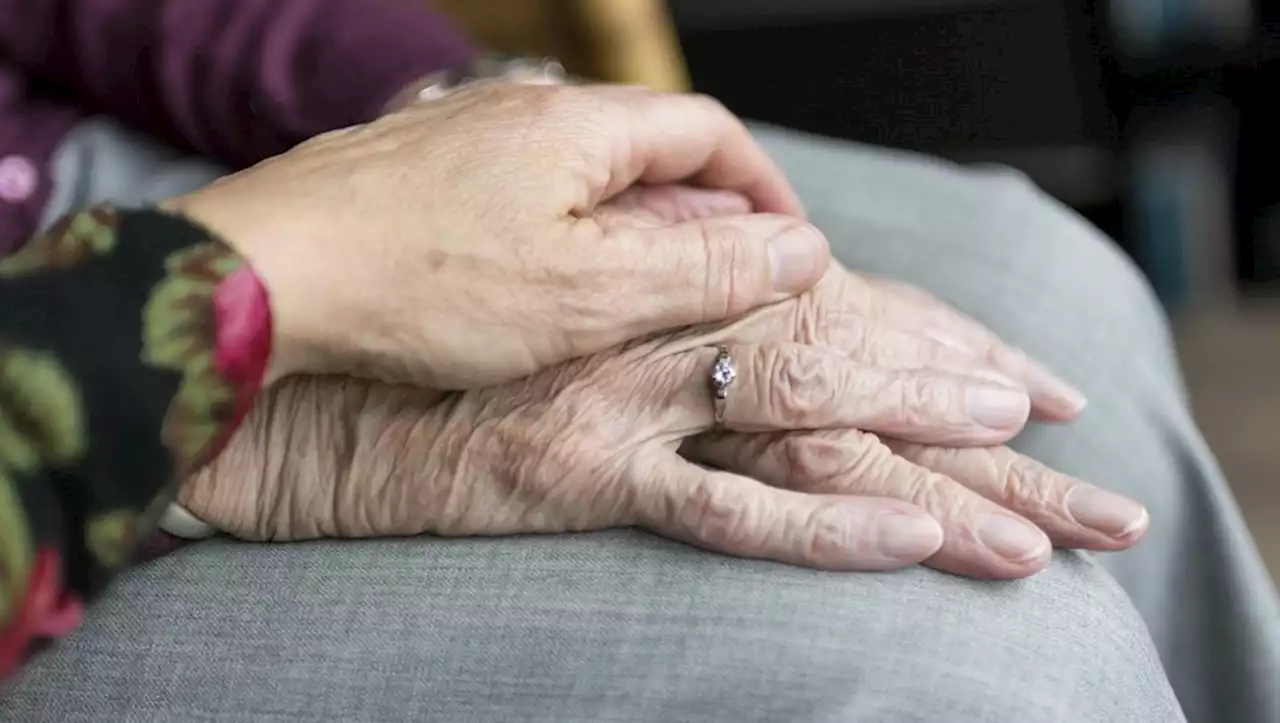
(722, 374)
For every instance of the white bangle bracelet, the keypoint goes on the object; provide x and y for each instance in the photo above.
(524, 71)
(179, 522)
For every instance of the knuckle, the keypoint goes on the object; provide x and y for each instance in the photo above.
(927, 402)
(825, 532)
(940, 497)
(720, 514)
(881, 472)
(813, 462)
(917, 484)
(802, 387)
(871, 466)
(734, 272)
(1023, 482)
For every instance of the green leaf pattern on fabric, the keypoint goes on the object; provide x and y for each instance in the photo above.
(42, 422)
(178, 334)
(70, 242)
(65, 530)
(16, 451)
(16, 550)
(176, 324)
(111, 536)
(42, 410)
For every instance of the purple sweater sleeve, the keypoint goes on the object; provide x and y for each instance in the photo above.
(236, 80)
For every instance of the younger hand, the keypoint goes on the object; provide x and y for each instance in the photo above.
(454, 244)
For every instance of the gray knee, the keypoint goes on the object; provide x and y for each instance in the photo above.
(1065, 646)
(594, 627)
(1052, 248)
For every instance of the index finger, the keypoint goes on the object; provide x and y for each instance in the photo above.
(689, 138)
(1054, 399)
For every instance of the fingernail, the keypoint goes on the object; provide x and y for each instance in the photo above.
(998, 407)
(1106, 512)
(907, 537)
(1011, 538)
(797, 258)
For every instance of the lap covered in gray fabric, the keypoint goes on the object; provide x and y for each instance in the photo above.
(992, 244)
(608, 627)
(621, 626)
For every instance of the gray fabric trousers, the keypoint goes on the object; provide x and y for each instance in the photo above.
(621, 626)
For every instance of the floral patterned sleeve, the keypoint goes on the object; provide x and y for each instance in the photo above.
(131, 345)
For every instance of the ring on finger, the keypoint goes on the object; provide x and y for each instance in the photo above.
(721, 378)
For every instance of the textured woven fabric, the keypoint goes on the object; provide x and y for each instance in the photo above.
(992, 244)
(622, 626)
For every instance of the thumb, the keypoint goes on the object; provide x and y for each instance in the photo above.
(739, 516)
(712, 269)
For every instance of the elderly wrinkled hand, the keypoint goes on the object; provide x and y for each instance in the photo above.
(888, 322)
(593, 443)
(1001, 512)
(586, 445)
(895, 324)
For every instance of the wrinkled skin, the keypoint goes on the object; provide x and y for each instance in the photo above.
(454, 244)
(605, 441)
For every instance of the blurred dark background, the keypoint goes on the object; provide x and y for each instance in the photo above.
(1151, 117)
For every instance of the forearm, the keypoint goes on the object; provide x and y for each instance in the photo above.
(237, 80)
(131, 345)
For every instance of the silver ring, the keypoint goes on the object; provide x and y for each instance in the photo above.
(721, 379)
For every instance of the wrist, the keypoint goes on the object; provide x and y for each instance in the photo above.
(248, 303)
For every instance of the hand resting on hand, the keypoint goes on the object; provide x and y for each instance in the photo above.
(593, 443)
